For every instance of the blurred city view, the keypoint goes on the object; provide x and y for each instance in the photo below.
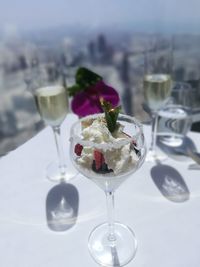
(121, 56)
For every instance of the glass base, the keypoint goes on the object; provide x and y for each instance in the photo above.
(54, 173)
(171, 141)
(154, 157)
(112, 253)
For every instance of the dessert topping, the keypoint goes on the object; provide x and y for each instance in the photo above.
(99, 159)
(78, 149)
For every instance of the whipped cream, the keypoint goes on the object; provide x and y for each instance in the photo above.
(120, 160)
(98, 132)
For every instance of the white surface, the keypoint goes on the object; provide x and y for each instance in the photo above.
(168, 232)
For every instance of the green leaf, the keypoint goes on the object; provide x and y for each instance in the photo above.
(111, 115)
(85, 77)
(74, 89)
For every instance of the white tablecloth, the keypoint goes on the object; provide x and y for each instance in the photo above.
(166, 224)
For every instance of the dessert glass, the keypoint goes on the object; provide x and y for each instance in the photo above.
(108, 164)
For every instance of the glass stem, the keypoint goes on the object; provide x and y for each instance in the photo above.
(110, 214)
(61, 159)
(154, 131)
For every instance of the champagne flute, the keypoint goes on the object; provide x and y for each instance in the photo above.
(52, 104)
(108, 164)
(157, 89)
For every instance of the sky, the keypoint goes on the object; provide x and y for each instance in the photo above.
(41, 14)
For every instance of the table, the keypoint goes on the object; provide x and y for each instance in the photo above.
(167, 227)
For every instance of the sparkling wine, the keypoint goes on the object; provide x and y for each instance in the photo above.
(157, 88)
(52, 104)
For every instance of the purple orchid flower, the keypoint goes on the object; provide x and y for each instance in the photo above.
(87, 102)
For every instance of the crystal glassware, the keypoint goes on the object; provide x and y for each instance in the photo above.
(108, 163)
(157, 89)
(175, 119)
(52, 103)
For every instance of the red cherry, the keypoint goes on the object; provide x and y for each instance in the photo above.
(78, 149)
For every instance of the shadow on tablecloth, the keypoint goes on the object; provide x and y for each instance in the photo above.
(171, 151)
(62, 204)
(170, 183)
